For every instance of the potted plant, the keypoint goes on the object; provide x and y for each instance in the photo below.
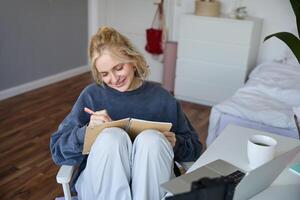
(290, 39)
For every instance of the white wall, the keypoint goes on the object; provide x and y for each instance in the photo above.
(277, 14)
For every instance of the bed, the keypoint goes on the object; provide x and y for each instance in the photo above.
(268, 101)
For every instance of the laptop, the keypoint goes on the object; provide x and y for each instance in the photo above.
(250, 183)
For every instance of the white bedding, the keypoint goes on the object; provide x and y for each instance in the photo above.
(269, 97)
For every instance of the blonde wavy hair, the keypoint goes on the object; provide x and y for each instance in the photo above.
(120, 48)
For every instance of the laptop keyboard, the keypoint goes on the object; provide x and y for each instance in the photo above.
(222, 167)
(236, 176)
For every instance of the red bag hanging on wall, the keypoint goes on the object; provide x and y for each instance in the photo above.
(155, 36)
(154, 41)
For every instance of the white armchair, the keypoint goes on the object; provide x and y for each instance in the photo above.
(63, 177)
(65, 172)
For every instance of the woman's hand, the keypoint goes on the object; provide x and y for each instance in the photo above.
(97, 117)
(171, 137)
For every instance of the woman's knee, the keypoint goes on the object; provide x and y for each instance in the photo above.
(111, 137)
(151, 139)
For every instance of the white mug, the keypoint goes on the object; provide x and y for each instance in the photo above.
(261, 149)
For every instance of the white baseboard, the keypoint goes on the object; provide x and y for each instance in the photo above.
(10, 92)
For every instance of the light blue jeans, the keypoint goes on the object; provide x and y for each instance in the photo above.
(119, 170)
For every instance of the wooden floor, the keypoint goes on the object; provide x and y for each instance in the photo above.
(26, 124)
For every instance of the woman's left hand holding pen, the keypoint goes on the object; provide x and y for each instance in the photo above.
(97, 117)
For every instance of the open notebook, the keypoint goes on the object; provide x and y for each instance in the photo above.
(132, 126)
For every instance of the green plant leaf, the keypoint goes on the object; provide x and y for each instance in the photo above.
(289, 39)
(296, 7)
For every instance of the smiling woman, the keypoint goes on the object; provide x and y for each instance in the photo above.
(116, 167)
(119, 76)
(116, 63)
(114, 48)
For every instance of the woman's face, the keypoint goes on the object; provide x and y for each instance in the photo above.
(114, 73)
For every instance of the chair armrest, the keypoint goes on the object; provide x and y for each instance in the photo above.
(64, 174)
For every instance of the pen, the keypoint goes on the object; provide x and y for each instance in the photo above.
(106, 117)
(87, 110)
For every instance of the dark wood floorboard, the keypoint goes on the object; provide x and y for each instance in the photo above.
(26, 124)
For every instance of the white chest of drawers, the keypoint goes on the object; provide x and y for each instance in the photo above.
(214, 57)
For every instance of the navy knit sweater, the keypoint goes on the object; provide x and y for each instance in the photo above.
(149, 102)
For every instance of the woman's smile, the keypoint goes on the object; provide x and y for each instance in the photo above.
(119, 83)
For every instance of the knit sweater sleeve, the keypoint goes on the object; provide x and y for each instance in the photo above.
(188, 146)
(66, 143)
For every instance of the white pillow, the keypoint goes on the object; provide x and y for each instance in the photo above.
(290, 58)
(296, 111)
